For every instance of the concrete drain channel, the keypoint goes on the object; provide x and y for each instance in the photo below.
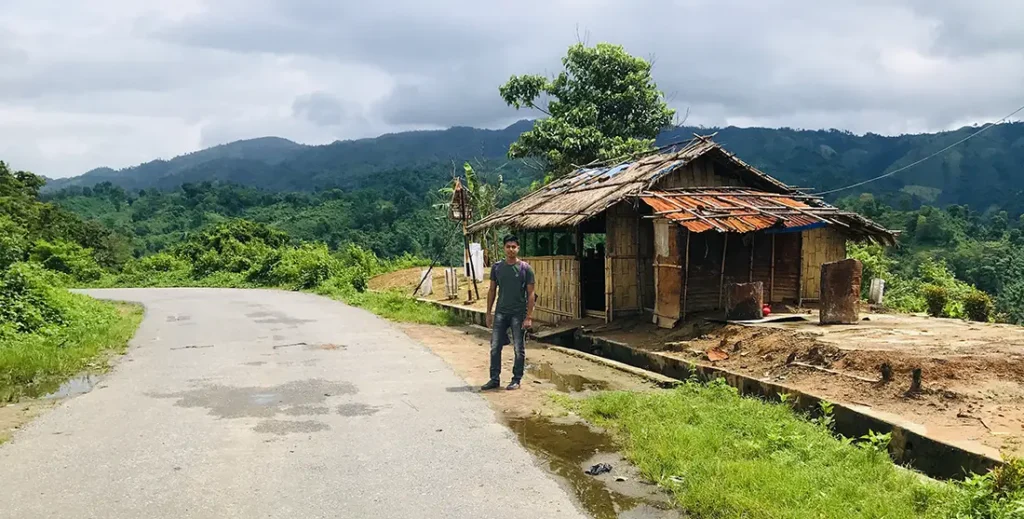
(908, 447)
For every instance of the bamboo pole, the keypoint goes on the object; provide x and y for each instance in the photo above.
(750, 278)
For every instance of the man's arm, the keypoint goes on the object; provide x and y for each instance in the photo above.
(528, 322)
(491, 292)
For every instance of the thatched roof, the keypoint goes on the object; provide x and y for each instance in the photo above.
(589, 191)
(744, 210)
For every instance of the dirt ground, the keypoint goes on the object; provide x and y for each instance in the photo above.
(566, 444)
(14, 416)
(407, 279)
(972, 373)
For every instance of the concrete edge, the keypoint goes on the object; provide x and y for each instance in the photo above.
(908, 447)
(651, 376)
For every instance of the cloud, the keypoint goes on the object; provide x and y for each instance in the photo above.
(116, 82)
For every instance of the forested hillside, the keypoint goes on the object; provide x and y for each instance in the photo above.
(982, 172)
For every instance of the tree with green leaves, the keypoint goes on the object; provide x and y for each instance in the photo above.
(604, 106)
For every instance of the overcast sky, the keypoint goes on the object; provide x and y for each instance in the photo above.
(120, 82)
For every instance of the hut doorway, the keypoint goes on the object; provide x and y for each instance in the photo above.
(592, 274)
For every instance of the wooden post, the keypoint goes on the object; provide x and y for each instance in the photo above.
(686, 275)
(750, 278)
(639, 274)
(721, 278)
(771, 280)
(800, 274)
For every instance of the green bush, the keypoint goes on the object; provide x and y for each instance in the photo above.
(68, 258)
(978, 306)
(936, 297)
(29, 299)
(305, 267)
(13, 242)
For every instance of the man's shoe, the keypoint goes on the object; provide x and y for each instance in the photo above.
(513, 385)
(494, 384)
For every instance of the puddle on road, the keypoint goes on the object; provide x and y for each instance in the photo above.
(566, 382)
(72, 387)
(569, 448)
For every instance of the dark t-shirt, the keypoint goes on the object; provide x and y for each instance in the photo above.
(511, 294)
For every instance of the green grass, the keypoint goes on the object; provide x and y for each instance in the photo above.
(33, 363)
(392, 305)
(723, 455)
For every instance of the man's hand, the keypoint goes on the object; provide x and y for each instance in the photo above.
(490, 320)
(527, 323)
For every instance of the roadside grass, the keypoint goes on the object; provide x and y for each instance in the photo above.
(37, 363)
(390, 304)
(723, 455)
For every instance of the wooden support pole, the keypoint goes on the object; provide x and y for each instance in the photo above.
(721, 278)
(686, 274)
(750, 277)
(771, 279)
(800, 274)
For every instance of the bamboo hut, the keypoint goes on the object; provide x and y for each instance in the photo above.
(664, 234)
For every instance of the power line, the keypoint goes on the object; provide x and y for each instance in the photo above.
(912, 164)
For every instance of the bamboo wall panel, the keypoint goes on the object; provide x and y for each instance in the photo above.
(557, 283)
(787, 266)
(668, 272)
(647, 262)
(704, 272)
(699, 173)
(821, 245)
(621, 262)
(763, 263)
(737, 262)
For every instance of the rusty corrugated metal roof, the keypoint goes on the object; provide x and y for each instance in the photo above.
(588, 191)
(743, 210)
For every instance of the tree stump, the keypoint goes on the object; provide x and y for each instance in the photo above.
(840, 292)
(745, 301)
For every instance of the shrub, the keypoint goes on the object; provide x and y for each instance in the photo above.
(29, 298)
(305, 267)
(936, 297)
(978, 306)
(13, 245)
(68, 258)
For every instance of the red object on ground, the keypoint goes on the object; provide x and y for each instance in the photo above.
(766, 310)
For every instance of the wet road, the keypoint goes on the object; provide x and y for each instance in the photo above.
(258, 403)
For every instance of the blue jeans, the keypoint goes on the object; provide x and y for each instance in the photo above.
(503, 323)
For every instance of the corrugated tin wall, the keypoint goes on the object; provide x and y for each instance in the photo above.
(822, 245)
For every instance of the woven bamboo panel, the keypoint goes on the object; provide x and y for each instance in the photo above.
(668, 273)
(787, 267)
(557, 288)
(822, 245)
(621, 237)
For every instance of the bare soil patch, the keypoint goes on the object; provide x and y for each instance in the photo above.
(972, 373)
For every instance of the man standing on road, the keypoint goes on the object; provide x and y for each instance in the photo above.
(514, 277)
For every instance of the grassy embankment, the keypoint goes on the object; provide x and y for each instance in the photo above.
(723, 455)
(48, 334)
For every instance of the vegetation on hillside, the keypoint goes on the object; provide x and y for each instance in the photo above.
(971, 260)
(46, 332)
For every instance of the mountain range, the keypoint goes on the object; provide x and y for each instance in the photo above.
(984, 172)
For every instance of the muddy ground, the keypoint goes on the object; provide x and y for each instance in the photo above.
(972, 373)
(562, 442)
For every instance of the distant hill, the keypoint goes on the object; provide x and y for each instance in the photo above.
(984, 172)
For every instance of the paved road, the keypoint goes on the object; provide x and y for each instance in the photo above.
(258, 403)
